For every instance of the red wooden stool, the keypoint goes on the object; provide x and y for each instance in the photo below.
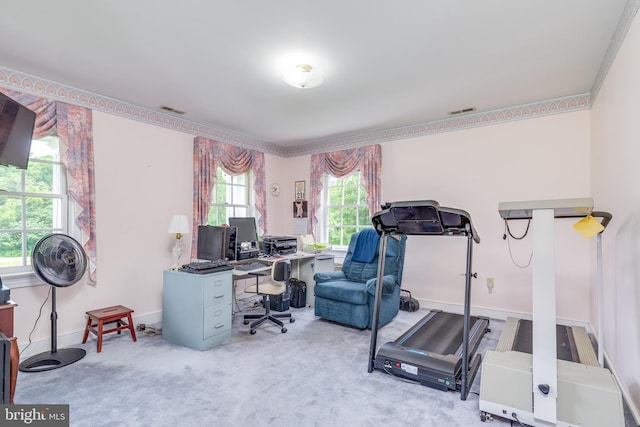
(99, 317)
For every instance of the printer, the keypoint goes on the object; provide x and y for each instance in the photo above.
(279, 245)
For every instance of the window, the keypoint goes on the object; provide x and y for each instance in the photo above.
(346, 207)
(32, 204)
(230, 198)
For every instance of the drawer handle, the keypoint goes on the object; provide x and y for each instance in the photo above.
(219, 296)
(219, 325)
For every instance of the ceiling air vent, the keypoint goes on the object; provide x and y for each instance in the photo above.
(464, 110)
(171, 110)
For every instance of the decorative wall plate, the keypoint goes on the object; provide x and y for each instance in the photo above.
(275, 189)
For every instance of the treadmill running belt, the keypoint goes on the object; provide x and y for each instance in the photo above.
(442, 336)
(564, 339)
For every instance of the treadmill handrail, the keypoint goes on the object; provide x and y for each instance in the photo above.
(606, 217)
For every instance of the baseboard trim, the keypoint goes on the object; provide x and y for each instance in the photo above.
(492, 313)
(75, 338)
(630, 405)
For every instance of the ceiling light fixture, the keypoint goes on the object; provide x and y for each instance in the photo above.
(303, 76)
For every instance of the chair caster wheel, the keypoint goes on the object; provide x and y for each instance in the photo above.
(291, 320)
(283, 330)
(246, 322)
(252, 332)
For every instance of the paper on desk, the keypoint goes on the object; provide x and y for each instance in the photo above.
(588, 227)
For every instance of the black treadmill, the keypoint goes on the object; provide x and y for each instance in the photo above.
(438, 350)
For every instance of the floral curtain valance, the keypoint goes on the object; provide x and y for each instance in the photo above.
(74, 126)
(368, 160)
(208, 155)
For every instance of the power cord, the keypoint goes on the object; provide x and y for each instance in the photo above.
(148, 329)
(37, 319)
(507, 230)
(507, 234)
(515, 416)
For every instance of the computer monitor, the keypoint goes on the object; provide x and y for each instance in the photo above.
(246, 229)
(213, 242)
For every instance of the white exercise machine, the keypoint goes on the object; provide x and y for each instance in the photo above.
(539, 388)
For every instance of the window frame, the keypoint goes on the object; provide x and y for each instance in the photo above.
(24, 275)
(323, 226)
(231, 208)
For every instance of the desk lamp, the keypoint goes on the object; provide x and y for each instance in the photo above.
(179, 225)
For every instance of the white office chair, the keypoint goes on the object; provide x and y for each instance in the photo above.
(277, 285)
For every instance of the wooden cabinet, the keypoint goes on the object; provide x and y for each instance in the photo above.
(6, 327)
(6, 318)
(196, 309)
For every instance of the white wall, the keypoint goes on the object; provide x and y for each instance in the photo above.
(616, 183)
(143, 176)
(474, 170)
(284, 171)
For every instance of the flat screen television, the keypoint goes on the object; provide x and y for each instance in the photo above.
(247, 230)
(213, 243)
(16, 132)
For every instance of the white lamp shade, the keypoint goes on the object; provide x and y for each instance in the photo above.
(303, 76)
(179, 224)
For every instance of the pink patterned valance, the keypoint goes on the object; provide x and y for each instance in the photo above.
(368, 160)
(208, 155)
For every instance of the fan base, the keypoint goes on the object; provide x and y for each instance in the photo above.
(48, 360)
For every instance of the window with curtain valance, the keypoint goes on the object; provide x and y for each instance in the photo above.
(73, 125)
(207, 157)
(368, 160)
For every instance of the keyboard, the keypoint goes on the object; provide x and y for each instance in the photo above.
(251, 266)
(207, 267)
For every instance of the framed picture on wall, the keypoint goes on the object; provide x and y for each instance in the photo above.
(300, 209)
(300, 190)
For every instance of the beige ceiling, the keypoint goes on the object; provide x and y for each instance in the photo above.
(386, 65)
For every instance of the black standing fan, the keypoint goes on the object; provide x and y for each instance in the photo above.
(59, 261)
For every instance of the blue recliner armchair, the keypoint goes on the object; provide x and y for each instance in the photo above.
(348, 296)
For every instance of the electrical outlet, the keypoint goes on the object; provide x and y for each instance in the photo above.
(490, 284)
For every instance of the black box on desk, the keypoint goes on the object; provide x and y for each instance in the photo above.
(280, 302)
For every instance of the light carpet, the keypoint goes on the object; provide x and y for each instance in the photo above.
(313, 375)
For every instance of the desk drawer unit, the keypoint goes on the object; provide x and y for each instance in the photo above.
(196, 309)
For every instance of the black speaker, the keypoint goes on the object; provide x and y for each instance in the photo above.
(230, 243)
(5, 369)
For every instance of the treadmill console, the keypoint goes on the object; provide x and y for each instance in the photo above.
(425, 217)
